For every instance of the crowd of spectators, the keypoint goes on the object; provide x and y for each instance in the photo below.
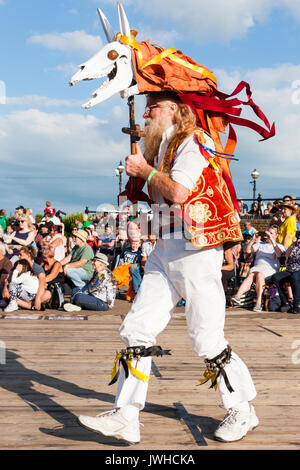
(268, 262)
(81, 265)
(41, 266)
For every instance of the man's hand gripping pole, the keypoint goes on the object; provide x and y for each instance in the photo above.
(135, 135)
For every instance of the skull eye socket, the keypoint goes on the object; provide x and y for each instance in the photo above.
(113, 55)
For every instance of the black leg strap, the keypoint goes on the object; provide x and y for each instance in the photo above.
(216, 367)
(125, 357)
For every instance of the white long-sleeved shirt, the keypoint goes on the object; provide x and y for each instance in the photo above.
(29, 282)
(186, 170)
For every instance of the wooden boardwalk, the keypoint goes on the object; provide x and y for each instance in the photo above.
(55, 370)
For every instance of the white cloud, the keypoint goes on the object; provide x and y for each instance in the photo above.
(51, 136)
(166, 37)
(293, 6)
(220, 22)
(41, 101)
(75, 41)
(67, 69)
(198, 20)
(277, 158)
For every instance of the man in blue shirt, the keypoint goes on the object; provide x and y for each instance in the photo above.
(249, 230)
(107, 243)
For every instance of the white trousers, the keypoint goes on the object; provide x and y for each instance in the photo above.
(172, 273)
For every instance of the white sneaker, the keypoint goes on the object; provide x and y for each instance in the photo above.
(236, 424)
(71, 307)
(113, 424)
(235, 300)
(12, 306)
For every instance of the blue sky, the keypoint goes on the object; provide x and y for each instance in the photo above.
(51, 148)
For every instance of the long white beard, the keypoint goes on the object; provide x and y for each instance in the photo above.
(154, 129)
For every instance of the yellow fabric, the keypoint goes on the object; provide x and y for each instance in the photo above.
(288, 227)
(135, 372)
(122, 274)
(209, 375)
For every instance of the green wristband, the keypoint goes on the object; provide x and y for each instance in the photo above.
(150, 176)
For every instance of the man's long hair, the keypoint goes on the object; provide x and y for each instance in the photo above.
(185, 122)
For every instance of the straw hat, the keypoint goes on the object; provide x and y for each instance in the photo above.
(102, 257)
(293, 208)
(81, 234)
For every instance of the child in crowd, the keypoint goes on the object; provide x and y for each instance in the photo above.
(49, 209)
(23, 286)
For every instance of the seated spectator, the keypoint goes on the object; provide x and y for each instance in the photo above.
(131, 254)
(23, 236)
(248, 229)
(77, 265)
(78, 224)
(99, 293)
(9, 230)
(228, 268)
(122, 241)
(28, 213)
(254, 211)
(71, 240)
(86, 221)
(47, 221)
(107, 242)
(137, 269)
(41, 237)
(22, 287)
(275, 207)
(92, 239)
(29, 253)
(56, 240)
(292, 275)
(243, 207)
(5, 268)
(288, 228)
(294, 202)
(268, 210)
(48, 209)
(53, 271)
(266, 256)
(245, 259)
(3, 220)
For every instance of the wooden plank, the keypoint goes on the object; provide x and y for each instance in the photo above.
(56, 370)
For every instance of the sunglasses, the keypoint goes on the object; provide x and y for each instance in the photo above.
(148, 109)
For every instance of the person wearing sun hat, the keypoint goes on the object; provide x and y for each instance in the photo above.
(99, 293)
(289, 227)
(78, 264)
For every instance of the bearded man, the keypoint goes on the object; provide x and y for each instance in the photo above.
(173, 165)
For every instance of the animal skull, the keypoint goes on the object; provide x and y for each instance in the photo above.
(114, 61)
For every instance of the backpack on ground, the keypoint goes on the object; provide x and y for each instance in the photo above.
(57, 296)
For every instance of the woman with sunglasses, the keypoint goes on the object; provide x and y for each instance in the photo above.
(23, 236)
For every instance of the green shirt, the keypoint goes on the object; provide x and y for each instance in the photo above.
(3, 222)
(85, 224)
(83, 252)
